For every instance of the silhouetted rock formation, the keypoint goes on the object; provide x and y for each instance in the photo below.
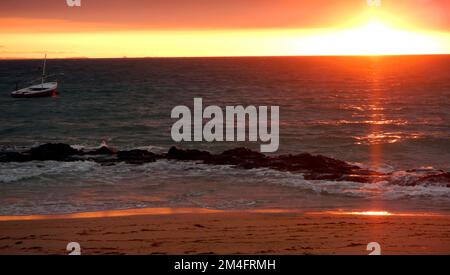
(439, 179)
(312, 167)
(136, 156)
(52, 151)
(242, 157)
(14, 157)
(181, 154)
(319, 164)
(104, 150)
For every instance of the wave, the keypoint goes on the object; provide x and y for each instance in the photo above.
(53, 187)
(22, 172)
(168, 171)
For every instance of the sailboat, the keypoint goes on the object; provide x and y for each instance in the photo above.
(44, 89)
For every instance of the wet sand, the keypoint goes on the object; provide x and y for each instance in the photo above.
(201, 231)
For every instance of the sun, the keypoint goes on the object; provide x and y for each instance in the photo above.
(376, 38)
(372, 38)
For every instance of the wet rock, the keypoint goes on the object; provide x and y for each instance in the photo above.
(182, 154)
(52, 151)
(314, 167)
(442, 179)
(242, 157)
(308, 162)
(14, 157)
(136, 156)
(243, 153)
(104, 150)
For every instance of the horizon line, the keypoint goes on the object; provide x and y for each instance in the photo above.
(225, 56)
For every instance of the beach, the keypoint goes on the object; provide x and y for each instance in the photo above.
(202, 231)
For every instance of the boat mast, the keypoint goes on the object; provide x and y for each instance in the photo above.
(43, 70)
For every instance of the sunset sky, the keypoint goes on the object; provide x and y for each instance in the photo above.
(158, 28)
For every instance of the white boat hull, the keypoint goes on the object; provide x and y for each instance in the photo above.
(40, 90)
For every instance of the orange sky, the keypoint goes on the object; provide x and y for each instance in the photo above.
(137, 28)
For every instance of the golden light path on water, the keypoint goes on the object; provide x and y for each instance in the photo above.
(178, 211)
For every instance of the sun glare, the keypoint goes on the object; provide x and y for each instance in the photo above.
(369, 35)
(372, 38)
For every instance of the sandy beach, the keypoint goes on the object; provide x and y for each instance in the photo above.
(201, 231)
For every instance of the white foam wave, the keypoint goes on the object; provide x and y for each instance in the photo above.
(163, 171)
(14, 172)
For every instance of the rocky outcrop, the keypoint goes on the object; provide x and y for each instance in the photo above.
(136, 156)
(308, 162)
(242, 157)
(313, 167)
(182, 154)
(14, 157)
(52, 151)
(104, 150)
(442, 179)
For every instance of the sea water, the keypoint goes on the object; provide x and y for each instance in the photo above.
(390, 114)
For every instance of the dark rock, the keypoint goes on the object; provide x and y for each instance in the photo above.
(52, 151)
(243, 153)
(243, 157)
(136, 156)
(442, 179)
(181, 154)
(104, 150)
(314, 167)
(14, 157)
(308, 162)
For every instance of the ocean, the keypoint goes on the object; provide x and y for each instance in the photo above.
(390, 114)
